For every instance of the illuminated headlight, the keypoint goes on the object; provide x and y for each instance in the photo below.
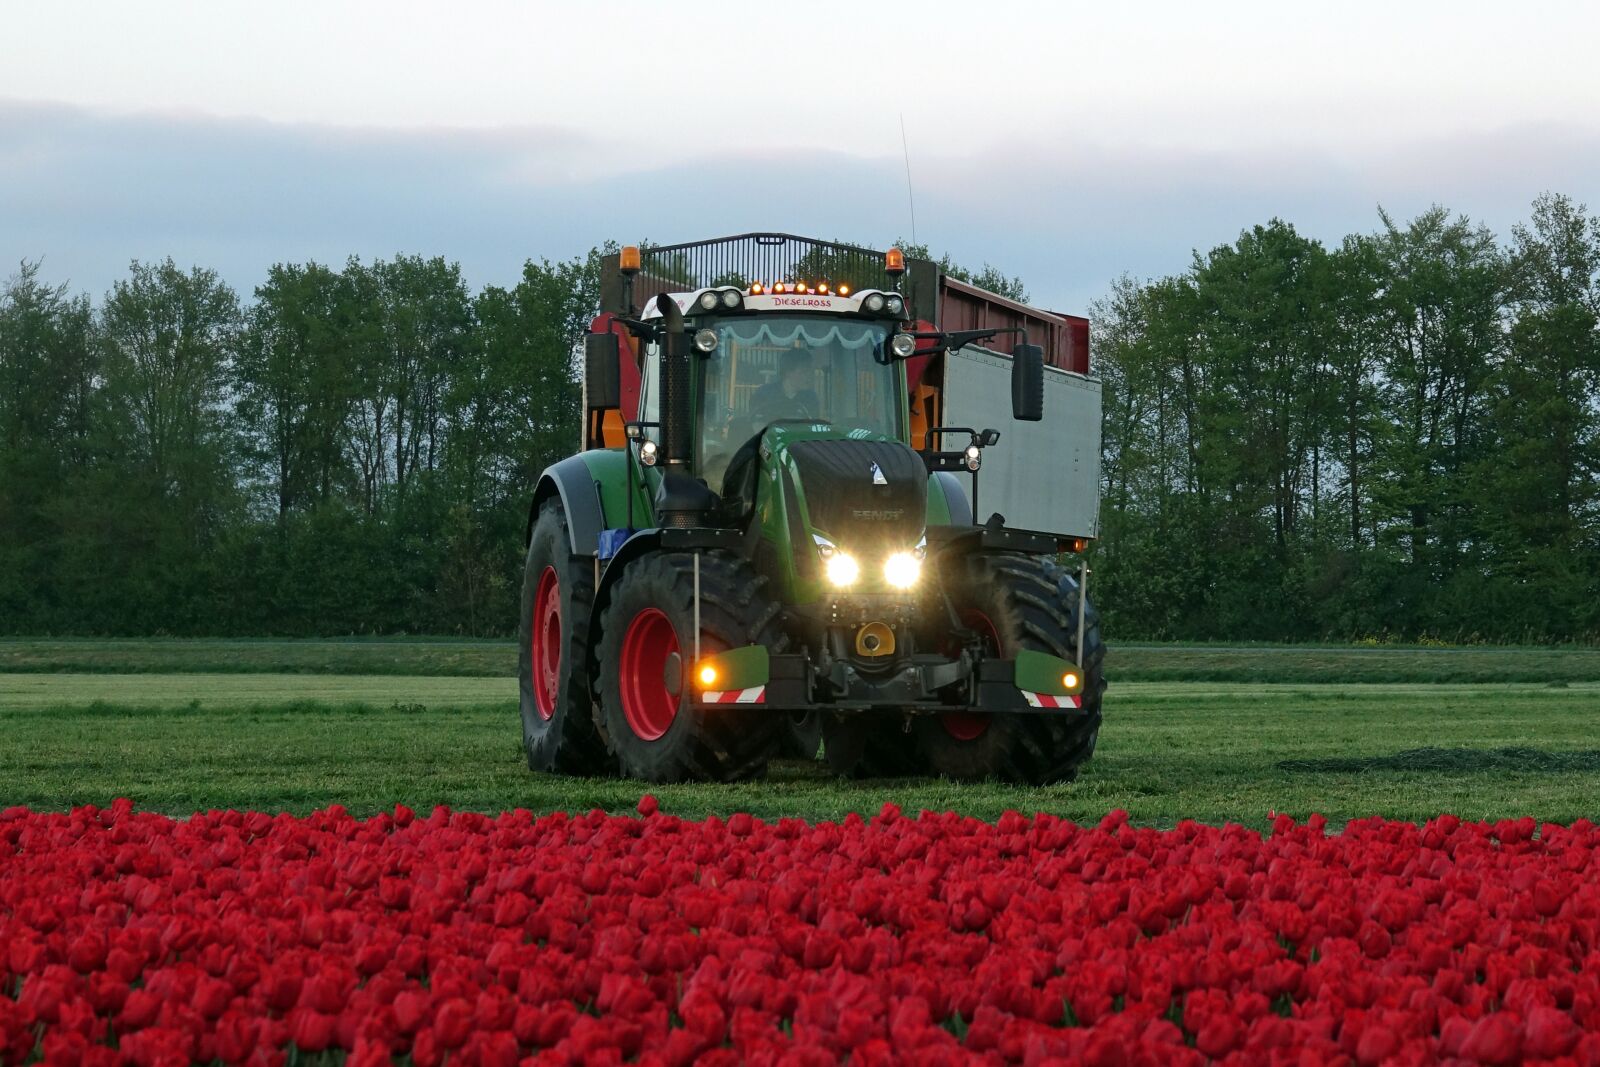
(903, 345)
(973, 458)
(894, 305)
(902, 570)
(709, 300)
(873, 302)
(647, 453)
(730, 298)
(705, 340)
(842, 568)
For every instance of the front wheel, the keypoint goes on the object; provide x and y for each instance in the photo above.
(646, 645)
(1014, 602)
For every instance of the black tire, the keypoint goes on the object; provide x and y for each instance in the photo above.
(801, 737)
(1031, 603)
(729, 742)
(558, 724)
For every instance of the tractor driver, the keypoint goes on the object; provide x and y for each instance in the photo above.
(790, 395)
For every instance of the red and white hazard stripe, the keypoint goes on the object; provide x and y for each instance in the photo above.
(1045, 700)
(754, 695)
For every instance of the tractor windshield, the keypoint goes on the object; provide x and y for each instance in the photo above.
(794, 367)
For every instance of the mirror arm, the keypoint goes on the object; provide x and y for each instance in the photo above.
(648, 331)
(962, 338)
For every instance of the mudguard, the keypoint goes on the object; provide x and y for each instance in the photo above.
(955, 496)
(572, 481)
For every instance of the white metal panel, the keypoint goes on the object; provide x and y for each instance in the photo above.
(1042, 476)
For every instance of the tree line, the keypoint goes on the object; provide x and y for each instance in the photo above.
(351, 451)
(1398, 436)
(1395, 437)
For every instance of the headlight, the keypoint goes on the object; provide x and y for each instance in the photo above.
(902, 570)
(894, 305)
(647, 453)
(709, 300)
(705, 340)
(730, 298)
(843, 569)
(974, 457)
(903, 345)
(873, 302)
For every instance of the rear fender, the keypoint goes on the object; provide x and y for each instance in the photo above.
(946, 487)
(593, 489)
(579, 493)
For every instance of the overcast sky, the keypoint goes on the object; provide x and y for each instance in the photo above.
(1065, 142)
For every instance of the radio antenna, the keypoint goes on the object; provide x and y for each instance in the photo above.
(910, 199)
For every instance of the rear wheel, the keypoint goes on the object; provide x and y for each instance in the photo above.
(646, 644)
(558, 729)
(1014, 602)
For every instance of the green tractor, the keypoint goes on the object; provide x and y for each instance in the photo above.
(769, 543)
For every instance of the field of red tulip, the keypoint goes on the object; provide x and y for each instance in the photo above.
(466, 939)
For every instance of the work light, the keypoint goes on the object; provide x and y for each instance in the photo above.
(902, 570)
(730, 298)
(709, 300)
(705, 340)
(843, 569)
(894, 305)
(873, 302)
(903, 345)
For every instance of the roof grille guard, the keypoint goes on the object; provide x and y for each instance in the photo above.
(746, 258)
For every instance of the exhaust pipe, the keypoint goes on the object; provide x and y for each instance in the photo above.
(681, 499)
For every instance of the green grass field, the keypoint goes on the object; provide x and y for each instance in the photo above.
(498, 658)
(399, 656)
(1213, 751)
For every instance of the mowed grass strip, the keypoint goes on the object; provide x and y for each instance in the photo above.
(410, 657)
(231, 691)
(1353, 664)
(1211, 752)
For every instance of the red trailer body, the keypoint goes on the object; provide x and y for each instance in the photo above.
(1064, 338)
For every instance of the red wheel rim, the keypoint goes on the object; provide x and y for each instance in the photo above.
(961, 725)
(547, 643)
(647, 703)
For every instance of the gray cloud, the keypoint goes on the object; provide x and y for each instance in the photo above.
(87, 192)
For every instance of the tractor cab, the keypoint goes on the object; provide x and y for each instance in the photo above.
(758, 364)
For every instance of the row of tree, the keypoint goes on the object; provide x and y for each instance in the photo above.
(1396, 436)
(352, 451)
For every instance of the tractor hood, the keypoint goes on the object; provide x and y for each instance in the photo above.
(861, 490)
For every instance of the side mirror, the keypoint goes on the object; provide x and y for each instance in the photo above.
(602, 372)
(1027, 383)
